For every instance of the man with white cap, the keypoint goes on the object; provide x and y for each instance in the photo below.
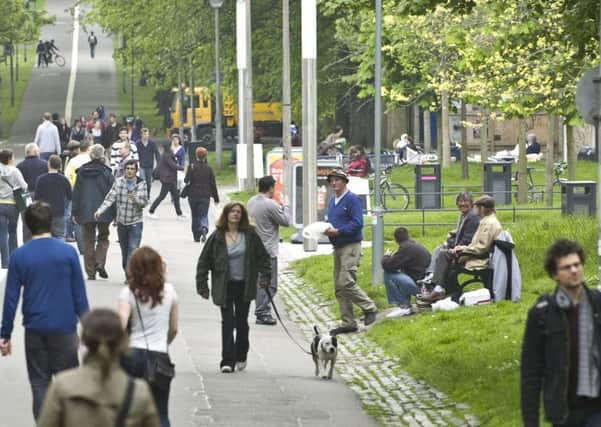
(345, 213)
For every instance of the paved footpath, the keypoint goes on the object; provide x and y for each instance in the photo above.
(278, 388)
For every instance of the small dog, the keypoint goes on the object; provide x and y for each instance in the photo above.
(324, 350)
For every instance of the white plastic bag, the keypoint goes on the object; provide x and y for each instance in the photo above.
(446, 304)
(315, 230)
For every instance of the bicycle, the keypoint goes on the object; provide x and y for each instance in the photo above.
(534, 195)
(558, 169)
(57, 58)
(393, 196)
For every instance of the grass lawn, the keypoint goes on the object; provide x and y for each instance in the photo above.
(8, 113)
(472, 354)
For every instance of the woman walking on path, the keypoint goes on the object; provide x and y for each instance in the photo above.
(10, 179)
(149, 305)
(96, 393)
(168, 168)
(202, 187)
(238, 261)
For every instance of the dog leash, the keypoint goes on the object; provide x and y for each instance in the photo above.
(277, 314)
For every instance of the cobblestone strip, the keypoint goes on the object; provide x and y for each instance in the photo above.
(386, 391)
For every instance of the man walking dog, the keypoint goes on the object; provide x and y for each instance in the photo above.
(345, 214)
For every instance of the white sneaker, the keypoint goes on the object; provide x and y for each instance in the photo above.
(240, 366)
(152, 215)
(399, 312)
(226, 369)
(182, 217)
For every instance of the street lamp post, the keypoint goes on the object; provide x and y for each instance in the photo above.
(216, 4)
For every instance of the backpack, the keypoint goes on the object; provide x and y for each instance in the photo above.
(93, 40)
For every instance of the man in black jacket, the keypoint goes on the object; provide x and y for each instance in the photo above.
(561, 351)
(94, 180)
(402, 270)
(148, 153)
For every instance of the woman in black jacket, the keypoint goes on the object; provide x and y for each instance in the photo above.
(201, 187)
(238, 261)
(168, 168)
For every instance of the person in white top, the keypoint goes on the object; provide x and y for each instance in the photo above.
(47, 138)
(149, 306)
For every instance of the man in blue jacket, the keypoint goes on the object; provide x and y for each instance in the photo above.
(54, 299)
(345, 214)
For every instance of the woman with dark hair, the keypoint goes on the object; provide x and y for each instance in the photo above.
(238, 261)
(10, 179)
(99, 392)
(168, 168)
(202, 186)
(149, 305)
(358, 162)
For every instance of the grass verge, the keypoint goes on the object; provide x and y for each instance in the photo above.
(471, 354)
(8, 112)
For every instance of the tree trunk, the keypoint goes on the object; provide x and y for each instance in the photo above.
(484, 135)
(444, 127)
(549, 161)
(427, 137)
(465, 171)
(522, 166)
(415, 129)
(572, 154)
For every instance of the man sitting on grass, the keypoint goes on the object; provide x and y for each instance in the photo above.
(473, 256)
(402, 270)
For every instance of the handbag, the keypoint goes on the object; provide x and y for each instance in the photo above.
(22, 197)
(158, 369)
(185, 191)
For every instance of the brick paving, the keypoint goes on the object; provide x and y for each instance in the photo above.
(387, 392)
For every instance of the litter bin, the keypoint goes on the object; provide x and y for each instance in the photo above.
(427, 186)
(497, 181)
(578, 198)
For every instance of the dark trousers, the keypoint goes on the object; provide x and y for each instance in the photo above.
(46, 356)
(589, 416)
(441, 268)
(9, 217)
(133, 364)
(130, 237)
(146, 175)
(199, 209)
(95, 246)
(167, 187)
(234, 316)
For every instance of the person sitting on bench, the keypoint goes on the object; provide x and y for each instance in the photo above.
(473, 256)
(466, 227)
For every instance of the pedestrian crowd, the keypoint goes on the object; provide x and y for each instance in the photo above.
(126, 364)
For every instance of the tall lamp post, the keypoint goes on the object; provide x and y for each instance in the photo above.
(216, 4)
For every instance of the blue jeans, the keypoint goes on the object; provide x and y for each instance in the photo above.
(58, 227)
(46, 155)
(583, 417)
(399, 288)
(199, 209)
(130, 237)
(133, 364)
(9, 216)
(146, 175)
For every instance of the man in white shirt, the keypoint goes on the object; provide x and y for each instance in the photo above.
(47, 138)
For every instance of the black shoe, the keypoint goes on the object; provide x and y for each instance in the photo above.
(203, 237)
(370, 317)
(343, 330)
(91, 277)
(102, 272)
(266, 320)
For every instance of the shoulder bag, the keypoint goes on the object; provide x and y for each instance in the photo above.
(158, 369)
(22, 197)
(124, 410)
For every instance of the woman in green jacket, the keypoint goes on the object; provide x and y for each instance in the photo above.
(238, 262)
(95, 394)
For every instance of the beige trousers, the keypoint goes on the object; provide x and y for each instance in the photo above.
(346, 264)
